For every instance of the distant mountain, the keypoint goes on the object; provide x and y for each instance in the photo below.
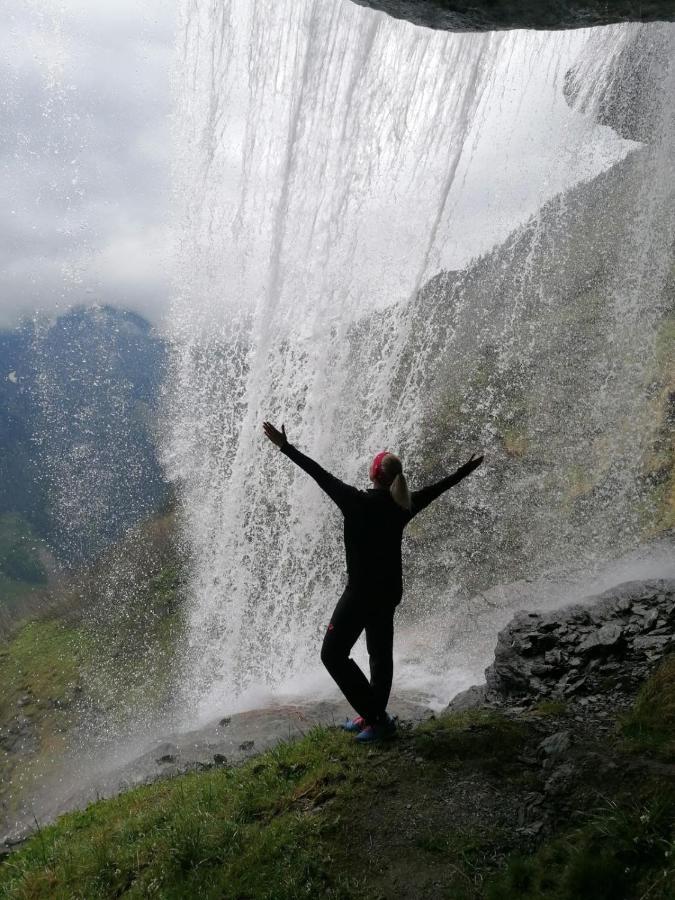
(78, 444)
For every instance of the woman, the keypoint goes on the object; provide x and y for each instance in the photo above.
(373, 529)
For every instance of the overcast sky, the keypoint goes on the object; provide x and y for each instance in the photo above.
(85, 154)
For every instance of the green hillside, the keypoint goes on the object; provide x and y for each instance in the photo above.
(80, 658)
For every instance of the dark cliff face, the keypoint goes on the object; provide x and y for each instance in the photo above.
(461, 15)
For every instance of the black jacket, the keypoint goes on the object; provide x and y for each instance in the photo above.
(373, 525)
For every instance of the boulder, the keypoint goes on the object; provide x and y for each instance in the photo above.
(555, 744)
(571, 650)
(166, 752)
(559, 780)
(471, 698)
(607, 637)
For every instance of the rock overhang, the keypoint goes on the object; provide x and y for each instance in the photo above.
(461, 15)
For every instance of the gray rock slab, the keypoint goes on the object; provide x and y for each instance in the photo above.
(472, 698)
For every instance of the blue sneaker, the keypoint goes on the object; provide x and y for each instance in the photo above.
(380, 732)
(354, 725)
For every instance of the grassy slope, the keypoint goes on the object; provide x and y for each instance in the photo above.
(40, 677)
(41, 664)
(432, 814)
(24, 567)
(90, 655)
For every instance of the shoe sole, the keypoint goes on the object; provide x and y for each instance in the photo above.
(376, 740)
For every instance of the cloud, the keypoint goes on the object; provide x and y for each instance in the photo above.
(84, 155)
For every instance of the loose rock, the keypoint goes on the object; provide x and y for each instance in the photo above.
(574, 650)
(555, 744)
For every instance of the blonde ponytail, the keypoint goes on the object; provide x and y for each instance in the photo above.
(399, 491)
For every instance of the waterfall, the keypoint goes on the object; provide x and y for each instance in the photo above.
(389, 238)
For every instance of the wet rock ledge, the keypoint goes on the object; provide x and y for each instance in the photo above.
(606, 645)
(462, 15)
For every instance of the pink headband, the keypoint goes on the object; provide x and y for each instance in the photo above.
(376, 464)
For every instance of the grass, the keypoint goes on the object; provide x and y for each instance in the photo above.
(660, 464)
(46, 660)
(246, 832)
(287, 824)
(550, 708)
(23, 576)
(626, 847)
(579, 482)
(480, 738)
(649, 727)
(625, 850)
(49, 660)
(471, 848)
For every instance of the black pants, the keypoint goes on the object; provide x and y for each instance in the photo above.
(355, 611)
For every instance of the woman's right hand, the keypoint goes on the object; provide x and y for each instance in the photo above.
(473, 463)
(277, 437)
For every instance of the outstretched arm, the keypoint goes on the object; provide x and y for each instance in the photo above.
(422, 498)
(337, 490)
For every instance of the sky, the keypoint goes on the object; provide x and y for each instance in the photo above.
(85, 154)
